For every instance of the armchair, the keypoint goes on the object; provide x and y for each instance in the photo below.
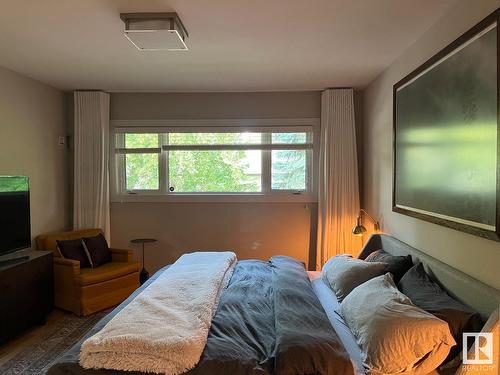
(88, 290)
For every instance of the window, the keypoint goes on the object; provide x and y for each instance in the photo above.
(212, 160)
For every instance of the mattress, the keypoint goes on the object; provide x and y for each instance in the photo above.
(332, 308)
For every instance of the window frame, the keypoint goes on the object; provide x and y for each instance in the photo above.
(117, 160)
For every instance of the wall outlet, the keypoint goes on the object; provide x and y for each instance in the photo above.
(62, 141)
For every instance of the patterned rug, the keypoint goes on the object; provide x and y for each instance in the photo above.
(41, 353)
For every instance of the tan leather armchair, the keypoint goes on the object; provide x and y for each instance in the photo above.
(88, 290)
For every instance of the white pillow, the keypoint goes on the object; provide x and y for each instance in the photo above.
(394, 334)
(344, 273)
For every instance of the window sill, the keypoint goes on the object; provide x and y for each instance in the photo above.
(215, 198)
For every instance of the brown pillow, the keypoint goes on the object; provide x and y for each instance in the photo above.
(98, 250)
(73, 249)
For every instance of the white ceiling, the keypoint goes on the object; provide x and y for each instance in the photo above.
(235, 45)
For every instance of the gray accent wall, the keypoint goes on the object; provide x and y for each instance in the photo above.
(475, 256)
(32, 117)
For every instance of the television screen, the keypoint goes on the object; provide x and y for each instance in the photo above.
(15, 233)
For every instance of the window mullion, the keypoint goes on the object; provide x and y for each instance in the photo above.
(266, 164)
(309, 163)
(121, 164)
(163, 174)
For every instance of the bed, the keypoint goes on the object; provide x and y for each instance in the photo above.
(336, 333)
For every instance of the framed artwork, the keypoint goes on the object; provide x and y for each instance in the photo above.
(446, 135)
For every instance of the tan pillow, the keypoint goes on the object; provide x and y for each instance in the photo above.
(394, 335)
(344, 273)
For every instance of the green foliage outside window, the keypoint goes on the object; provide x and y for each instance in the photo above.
(141, 140)
(288, 170)
(289, 166)
(210, 171)
(9, 184)
(223, 171)
(142, 171)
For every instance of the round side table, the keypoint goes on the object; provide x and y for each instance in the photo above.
(144, 275)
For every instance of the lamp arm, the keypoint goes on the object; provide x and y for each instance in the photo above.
(375, 222)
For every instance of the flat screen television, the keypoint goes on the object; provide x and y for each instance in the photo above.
(15, 228)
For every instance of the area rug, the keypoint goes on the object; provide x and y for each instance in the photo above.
(37, 357)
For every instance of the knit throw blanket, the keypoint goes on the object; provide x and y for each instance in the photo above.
(164, 329)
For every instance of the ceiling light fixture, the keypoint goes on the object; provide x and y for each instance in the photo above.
(155, 31)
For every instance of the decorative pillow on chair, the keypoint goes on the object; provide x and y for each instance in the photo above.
(429, 296)
(395, 336)
(397, 265)
(98, 249)
(344, 273)
(74, 249)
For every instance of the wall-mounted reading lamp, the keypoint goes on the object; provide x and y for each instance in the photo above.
(360, 229)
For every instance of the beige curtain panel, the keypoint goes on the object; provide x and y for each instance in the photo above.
(91, 164)
(338, 190)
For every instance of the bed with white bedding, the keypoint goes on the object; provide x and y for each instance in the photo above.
(304, 336)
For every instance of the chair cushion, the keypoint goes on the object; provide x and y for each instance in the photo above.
(98, 250)
(74, 249)
(49, 241)
(105, 272)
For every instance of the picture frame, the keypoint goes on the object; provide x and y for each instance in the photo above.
(446, 135)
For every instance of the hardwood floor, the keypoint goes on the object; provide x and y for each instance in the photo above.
(9, 350)
(34, 352)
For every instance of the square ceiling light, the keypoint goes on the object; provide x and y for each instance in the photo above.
(155, 31)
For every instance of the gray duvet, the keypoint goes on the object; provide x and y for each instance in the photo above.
(269, 321)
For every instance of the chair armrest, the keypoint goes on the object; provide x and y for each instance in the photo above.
(65, 273)
(121, 255)
(67, 265)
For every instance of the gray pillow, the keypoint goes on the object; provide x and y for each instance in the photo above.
(394, 335)
(344, 273)
(397, 265)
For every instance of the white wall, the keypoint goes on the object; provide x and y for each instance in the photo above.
(252, 230)
(32, 117)
(473, 255)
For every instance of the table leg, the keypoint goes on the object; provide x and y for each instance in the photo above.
(144, 275)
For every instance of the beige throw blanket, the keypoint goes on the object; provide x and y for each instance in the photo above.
(165, 328)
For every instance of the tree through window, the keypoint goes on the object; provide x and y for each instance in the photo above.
(215, 161)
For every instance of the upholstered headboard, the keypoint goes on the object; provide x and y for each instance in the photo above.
(481, 297)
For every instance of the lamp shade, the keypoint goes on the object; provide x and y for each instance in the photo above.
(359, 229)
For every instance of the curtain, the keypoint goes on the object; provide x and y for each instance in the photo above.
(338, 189)
(91, 161)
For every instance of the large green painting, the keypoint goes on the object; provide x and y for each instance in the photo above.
(446, 125)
